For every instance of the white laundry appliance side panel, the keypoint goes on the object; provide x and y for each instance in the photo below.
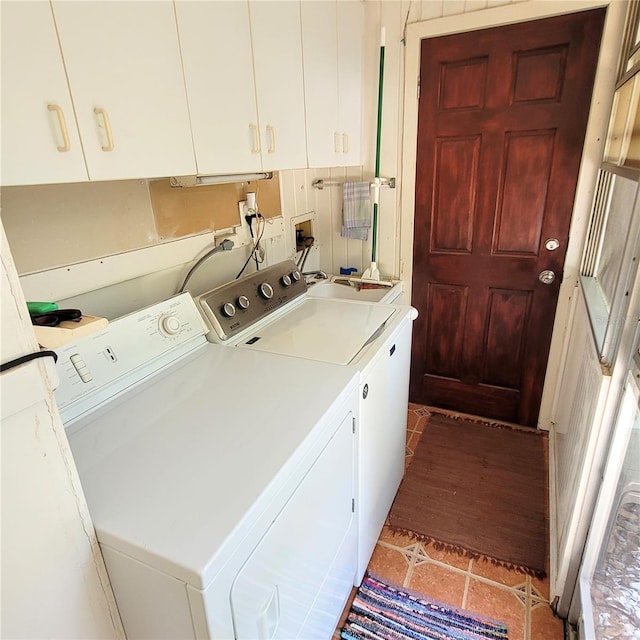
(333, 596)
(152, 604)
(210, 608)
(384, 397)
(282, 580)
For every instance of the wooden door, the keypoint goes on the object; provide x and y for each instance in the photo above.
(501, 124)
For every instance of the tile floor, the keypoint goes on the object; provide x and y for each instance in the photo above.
(518, 600)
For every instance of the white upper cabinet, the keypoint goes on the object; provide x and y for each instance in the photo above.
(243, 72)
(350, 78)
(333, 33)
(125, 75)
(40, 142)
(215, 40)
(277, 60)
(107, 90)
(320, 50)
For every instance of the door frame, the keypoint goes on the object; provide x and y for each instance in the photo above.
(592, 155)
(593, 148)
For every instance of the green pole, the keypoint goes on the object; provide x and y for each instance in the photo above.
(374, 243)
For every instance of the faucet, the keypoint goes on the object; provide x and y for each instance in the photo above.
(314, 275)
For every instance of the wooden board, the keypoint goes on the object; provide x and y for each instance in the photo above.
(183, 211)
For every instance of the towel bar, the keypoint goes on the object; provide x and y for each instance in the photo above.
(319, 183)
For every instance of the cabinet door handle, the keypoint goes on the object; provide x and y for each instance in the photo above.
(256, 138)
(336, 142)
(66, 146)
(107, 128)
(271, 132)
(345, 143)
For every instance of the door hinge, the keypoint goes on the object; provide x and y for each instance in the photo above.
(353, 505)
(353, 425)
(418, 96)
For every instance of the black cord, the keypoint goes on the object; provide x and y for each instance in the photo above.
(255, 247)
(30, 356)
(249, 220)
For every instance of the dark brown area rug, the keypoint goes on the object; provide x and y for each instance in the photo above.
(478, 489)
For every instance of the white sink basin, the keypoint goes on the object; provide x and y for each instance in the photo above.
(328, 289)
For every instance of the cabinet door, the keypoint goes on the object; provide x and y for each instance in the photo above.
(350, 79)
(125, 74)
(215, 40)
(320, 48)
(277, 60)
(40, 142)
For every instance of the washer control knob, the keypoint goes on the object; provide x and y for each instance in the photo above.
(243, 302)
(170, 325)
(285, 280)
(296, 275)
(266, 291)
(228, 310)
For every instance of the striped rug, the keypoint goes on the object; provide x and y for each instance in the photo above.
(382, 611)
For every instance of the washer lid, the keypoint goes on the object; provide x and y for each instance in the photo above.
(320, 329)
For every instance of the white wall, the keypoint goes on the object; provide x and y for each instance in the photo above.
(101, 252)
(54, 584)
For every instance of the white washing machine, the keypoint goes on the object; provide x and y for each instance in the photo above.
(221, 482)
(270, 312)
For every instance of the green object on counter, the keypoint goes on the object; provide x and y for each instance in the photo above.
(41, 307)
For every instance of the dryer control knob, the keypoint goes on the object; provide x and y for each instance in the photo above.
(169, 325)
(296, 275)
(285, 281)
(243, 302)
(228, 310)
(266, 291)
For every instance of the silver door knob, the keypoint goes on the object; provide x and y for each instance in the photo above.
(547, 276)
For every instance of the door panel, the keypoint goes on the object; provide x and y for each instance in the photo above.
(517, 229)
(501, 124)
(456, 180)
(508, 311)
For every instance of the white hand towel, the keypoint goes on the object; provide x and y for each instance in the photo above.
(356, 210)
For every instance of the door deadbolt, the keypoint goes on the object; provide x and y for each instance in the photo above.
(547, 276)
(551, 244)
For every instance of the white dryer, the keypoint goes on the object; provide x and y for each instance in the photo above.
(220, 481)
